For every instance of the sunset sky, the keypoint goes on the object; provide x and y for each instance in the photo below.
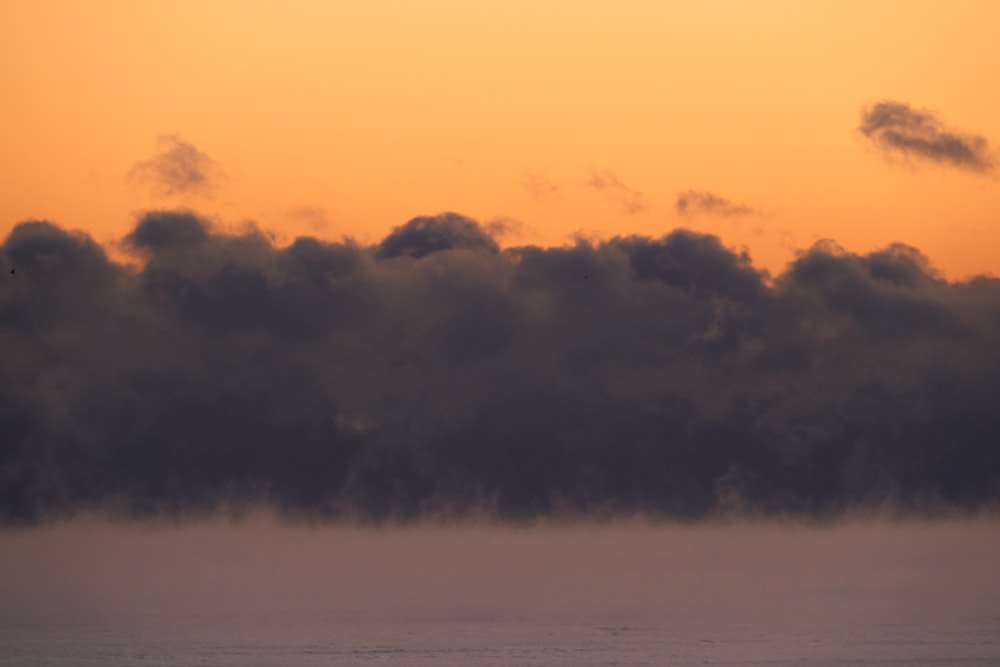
(341, 329)
(386, 261)
(556, 118)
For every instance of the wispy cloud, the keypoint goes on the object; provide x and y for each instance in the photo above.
(614, 190)
(177, 168)
(316, 217)
(697, 202)
(897, 128)
(541, 188)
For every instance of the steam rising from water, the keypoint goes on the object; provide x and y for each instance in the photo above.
(437, 375)
(627, 569)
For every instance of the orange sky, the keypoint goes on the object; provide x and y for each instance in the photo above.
(335, 118)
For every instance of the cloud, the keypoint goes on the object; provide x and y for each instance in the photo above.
(178, 168)
(316, 217)
(541, 188)
(695, 202)
(897, 128)
(436, 375)
(424, 235)
(628, 200)
(505, 228)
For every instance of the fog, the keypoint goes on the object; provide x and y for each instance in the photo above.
(436, 376)
(746, 575)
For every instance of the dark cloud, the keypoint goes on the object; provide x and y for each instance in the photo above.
(628, 200)
(895, 127)
(695, 202)
(424, 235)
(159, 230)
(178, 168)
(435, 375)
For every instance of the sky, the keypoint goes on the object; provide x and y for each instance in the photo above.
(561, 118)
(389, 261)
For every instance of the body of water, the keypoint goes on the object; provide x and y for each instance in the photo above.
(271, 595)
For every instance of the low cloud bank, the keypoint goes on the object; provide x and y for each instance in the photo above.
(437, 375)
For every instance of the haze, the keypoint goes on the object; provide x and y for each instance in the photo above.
(757, 573)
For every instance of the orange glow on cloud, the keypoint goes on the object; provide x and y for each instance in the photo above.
(350, 118)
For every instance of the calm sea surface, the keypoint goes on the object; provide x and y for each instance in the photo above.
(290, 640)
(272, 596)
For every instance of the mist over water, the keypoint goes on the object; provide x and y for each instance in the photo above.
(262, 592)
(466, 434)
(437, 375)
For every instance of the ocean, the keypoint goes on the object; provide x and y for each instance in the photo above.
(264, 594)
(264, 641)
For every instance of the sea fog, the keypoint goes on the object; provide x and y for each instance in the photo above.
(261, 591)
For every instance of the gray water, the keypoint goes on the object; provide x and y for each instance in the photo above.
(318, 640)
(266, 594)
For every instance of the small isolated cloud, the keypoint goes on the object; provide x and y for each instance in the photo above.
(316, 217)
(629, 200)
(897, 128)
(178, 168)
(696, 202)
(542, 189)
